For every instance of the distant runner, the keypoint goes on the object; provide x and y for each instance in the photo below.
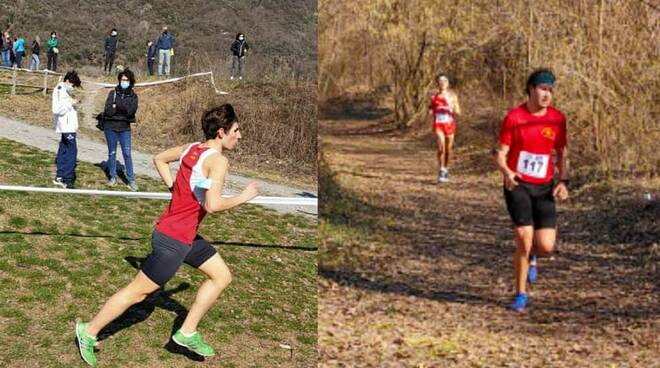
(529, 135)
(443, 108)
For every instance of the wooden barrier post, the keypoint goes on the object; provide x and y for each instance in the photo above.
(45, 83)
(13, 82)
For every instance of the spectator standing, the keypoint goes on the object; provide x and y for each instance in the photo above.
(239, 49)
(66, 123)
(111, 43)
(36, 47)
(151, 56)
(165, 44)
(53, 51)
(118, 115)
(6, 49)
(19, 51)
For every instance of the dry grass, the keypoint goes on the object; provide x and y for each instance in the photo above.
(600, 50)
(282, 34)
(278, 120)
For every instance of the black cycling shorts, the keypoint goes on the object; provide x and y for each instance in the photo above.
(167, 254)
(532, 204)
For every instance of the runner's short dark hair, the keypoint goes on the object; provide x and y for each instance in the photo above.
(221, 117)
(534, 75)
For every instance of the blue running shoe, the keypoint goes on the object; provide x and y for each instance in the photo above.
(520, 302)
(532, 272)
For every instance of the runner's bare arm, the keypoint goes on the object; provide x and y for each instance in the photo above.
(162, 161)
(500, 162)
(561, 190)
(214, 201)
(457, 106)
(563, 163)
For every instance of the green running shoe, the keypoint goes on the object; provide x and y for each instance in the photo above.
(85, 344)
(194, 343)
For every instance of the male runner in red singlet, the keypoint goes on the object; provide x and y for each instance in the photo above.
(196, 191)
(530, 134)
(443, 108)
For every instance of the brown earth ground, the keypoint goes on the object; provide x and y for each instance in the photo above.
(416, 273)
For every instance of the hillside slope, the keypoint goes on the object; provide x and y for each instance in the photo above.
(282, 33)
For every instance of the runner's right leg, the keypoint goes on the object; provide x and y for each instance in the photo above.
(524, 236)
(440, 141)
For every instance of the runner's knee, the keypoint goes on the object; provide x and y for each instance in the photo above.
(222, 277)
(544, 248)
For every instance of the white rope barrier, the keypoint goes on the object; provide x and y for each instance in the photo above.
(287, 201)
(112, 85)
(171, 80)
(43, 71)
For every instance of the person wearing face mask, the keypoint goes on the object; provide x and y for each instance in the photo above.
(65, 114)
(196, 191)
(118, 115)
(52, 51)
(111, 43)
(165, 44)
(239, 49)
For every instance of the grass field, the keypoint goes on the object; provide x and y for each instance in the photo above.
(62, 256)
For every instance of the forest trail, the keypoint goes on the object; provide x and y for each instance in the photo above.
(416, 273)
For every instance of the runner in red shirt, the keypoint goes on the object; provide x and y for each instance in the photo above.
(530, 134)
(443, 108)
(196, 191)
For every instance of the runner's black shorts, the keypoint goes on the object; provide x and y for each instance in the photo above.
(167, 254)
(532, 204)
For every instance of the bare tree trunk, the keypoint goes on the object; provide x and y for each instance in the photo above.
(530, 35)
(598, 123)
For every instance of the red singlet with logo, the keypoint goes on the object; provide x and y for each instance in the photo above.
(531, 140)
(443, 117)
(182, 217)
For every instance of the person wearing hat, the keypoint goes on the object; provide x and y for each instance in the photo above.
(530, 134)
(165, 44)
(443, 108)
(111, 43)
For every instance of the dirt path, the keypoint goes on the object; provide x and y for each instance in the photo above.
(414, 273)
(95, 152)
(92, 103)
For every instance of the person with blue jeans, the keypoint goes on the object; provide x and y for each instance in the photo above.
(164, 45)
(19, 51)
(6, 50)
(66, 123)
(36, 46)
(118, 115)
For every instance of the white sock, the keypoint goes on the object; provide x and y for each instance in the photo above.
(186, 335)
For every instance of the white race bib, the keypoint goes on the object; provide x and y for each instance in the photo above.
(442, 118)
(532, 164)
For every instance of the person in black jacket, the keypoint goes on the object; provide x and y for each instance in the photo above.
(36, 46)
(239, 49)
(110, 49)
(120, 108)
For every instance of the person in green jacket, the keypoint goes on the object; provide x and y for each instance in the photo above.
(53, 44)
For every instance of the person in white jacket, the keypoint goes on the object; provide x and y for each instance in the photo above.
(66, 123)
